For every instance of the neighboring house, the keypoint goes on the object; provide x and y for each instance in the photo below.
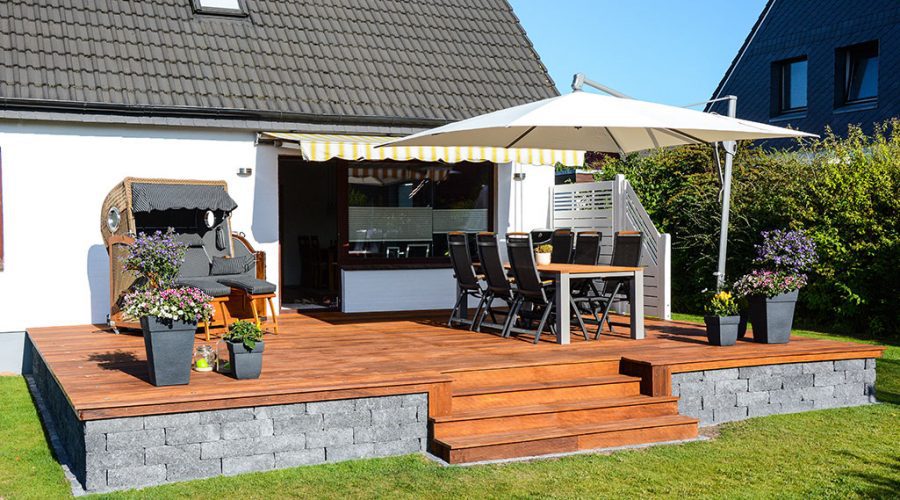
(92, 92)
(809, 64)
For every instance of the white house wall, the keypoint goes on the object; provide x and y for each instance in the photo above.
(55, 177)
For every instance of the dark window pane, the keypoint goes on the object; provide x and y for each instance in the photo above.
(793, 85)
(863, 78)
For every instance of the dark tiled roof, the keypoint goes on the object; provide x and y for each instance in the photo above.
(408, 59)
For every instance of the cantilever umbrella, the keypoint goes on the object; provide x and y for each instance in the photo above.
(593, 122)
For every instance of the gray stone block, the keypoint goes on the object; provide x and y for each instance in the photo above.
(730, 414)
(144, 475)
(247, 429)
(379, 403)
(820, 404)
(676, 389)
(753, 398)
(719, 401)
(299, 424)
(870, 364)
(135, 439)
(706, 417)
(416, 430)
(349, 452)
(796, 406)
(869, 376)
(690, 405)
(192, 434)
(849, 391)
(681, 378)
(763, 410)
(370, 434)
(114, 459)
(818, 367)
(299, 457)
(400, 447)
(814, 393)
(172, 454)
(357, 418)
(257, 446)
(252, 463)
(828, 378)
(855, 376)
(792, 369)
(766, 383)
(174, 420)
(415, 400)
(731, 386)
(279, 411)
(95, 442)
(850, 364)
(798, 381)
(95, 479)
(394, 415)
(274, 444)
(696, 389)
(339, 406)
(231, 415)
(329, 438)
(760, 371)
(785, 396)
(113, 425)
(195, 469)
(725, 374)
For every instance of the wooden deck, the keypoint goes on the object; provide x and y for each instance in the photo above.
(474, 380)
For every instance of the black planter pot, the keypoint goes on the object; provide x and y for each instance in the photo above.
(245, 363)
(742, 325)
(170, 346)
(722, 330)
(772, 318)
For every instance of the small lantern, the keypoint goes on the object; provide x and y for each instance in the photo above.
(204, 358)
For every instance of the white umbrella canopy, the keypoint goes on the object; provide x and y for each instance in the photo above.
(593, 122)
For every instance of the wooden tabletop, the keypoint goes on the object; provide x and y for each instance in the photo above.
(585, 269)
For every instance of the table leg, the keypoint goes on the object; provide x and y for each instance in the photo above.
(636, 305)
(563, 298)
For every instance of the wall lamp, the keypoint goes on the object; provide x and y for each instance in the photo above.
(245, 172)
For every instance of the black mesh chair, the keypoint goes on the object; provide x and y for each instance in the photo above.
(587, 252)
(563, 241)
(498, 284)
(467, 284)
(627, 250)
(531, 289)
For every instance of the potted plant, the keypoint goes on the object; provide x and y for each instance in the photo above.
(542, 254)
(245, 349)
(771, 290)
(722, 319)
(168, 314)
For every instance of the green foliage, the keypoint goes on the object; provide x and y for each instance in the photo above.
(244, 332)
(722, 304)
(545, 248)
(843, 192)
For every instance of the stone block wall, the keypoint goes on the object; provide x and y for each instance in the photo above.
(726, 395)
(124, 453)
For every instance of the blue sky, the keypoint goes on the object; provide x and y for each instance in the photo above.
(673, 52)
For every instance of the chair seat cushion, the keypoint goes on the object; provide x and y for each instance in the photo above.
(248, 284)
(208, 286)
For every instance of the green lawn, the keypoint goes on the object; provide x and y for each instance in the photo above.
(850, 452)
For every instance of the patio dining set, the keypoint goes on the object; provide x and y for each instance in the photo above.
(546, 297)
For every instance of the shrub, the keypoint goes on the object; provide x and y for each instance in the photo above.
(155, 258)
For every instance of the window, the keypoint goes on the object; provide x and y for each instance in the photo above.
(856, 74)
(401, 212)
(221, 7)
(790, 83)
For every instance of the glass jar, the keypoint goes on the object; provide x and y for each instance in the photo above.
(204, 358)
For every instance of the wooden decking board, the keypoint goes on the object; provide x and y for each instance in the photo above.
(551, 384)
(104, 375)
(557, 407)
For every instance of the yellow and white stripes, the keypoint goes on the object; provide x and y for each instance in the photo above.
(323, 147)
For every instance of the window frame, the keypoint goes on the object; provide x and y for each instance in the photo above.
(780, 69)
(843, 58)
(349, 262)
(242, 11)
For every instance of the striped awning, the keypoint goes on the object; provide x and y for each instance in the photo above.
(323, 147)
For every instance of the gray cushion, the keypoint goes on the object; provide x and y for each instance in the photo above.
(208, 286)
(196, 263)
(250, 285)
(189, 239)
(237, 265)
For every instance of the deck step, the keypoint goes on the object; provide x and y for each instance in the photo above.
(540, 392)
(465, 379)
(498, 419)
(563, 439)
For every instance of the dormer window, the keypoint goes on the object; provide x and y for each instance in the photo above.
(221, 7)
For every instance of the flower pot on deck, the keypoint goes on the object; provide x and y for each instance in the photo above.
(170, 347)
(722, 330)
(245, 363)
(772, 318)
(542, 259)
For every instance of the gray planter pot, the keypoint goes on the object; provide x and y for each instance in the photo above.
(742, 325)
(772, 318)
(170, 347)
(245, 364)
(722, 330)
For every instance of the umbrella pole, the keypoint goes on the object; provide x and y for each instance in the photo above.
(730, 148)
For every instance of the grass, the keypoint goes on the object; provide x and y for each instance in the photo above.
(842, 453)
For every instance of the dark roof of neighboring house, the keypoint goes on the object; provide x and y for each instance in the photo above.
(378, 61)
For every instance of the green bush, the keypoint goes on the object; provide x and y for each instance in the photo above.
(843, 191)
